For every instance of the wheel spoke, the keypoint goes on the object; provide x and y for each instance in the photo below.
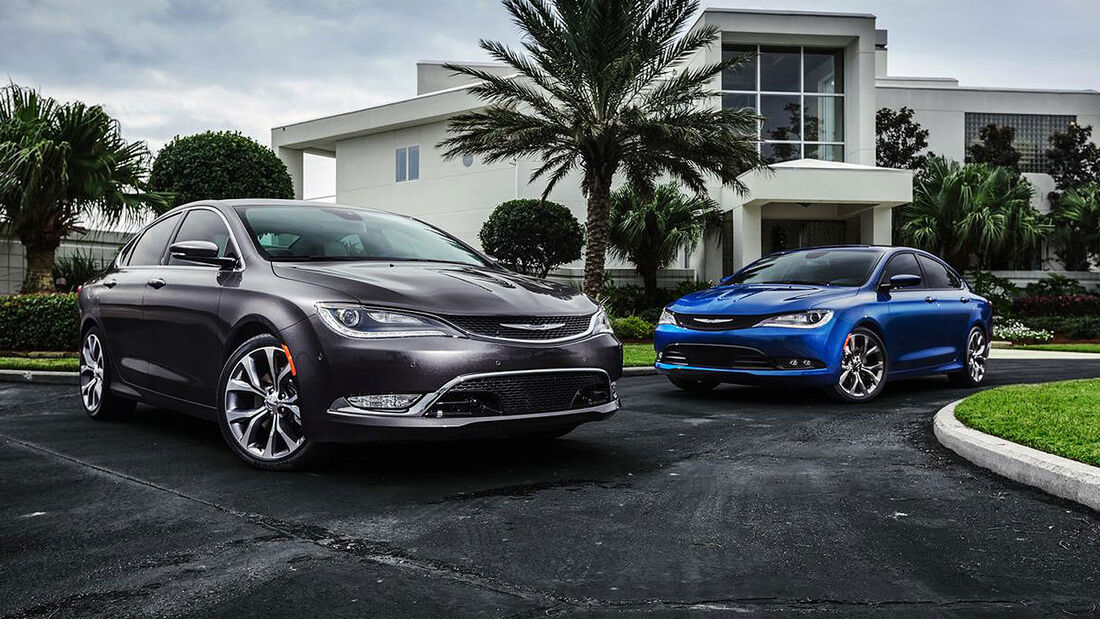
(237, 415)
(264, 392)
(272, 370)
(239, 385)
(251, 375)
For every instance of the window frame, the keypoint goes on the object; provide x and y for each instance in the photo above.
(408, 148)
(950, 272)
(232, 242)
(886, 267)
(758, 94)
(164, 251)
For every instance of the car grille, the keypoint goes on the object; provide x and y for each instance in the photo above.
(523, 394)
(715, 356)
(706, 322)
(534, 328)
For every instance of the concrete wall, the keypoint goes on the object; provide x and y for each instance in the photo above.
(101, 245)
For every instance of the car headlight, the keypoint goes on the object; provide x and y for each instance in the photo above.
(368, 323)
(666, 318)
(798, 320)
(601, 323)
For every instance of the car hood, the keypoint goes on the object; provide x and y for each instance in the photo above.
(441, 288)
(756, 299)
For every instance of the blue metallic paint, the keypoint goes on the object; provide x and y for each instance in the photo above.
(921, 337)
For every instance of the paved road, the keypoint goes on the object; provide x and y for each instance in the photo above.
(740, 500)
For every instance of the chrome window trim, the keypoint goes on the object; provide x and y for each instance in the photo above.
(417, 410)
(241, 264)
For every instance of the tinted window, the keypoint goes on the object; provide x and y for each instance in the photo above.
(938, 275)
(202, 225)
(832, 267)
(150, 247)
(290, 233)
(901, 264)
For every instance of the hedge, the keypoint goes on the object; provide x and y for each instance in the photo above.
(632, 328)
(39, 322)
(1058, 305)
(1070, 327)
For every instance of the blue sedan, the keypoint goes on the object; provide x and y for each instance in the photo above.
(844, 318)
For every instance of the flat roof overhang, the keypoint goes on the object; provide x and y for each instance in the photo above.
(810, 181)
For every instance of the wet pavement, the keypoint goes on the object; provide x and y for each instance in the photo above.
(760, 500)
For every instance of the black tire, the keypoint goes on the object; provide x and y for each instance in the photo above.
(873, 361)
(694, 385)
(95, 381)
(302, 456)
(976, 352)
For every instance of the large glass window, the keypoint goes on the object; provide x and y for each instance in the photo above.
(1033, 132)
(800, 93)
(827, 267)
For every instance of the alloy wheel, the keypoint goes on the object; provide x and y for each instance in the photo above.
(863, 366)
(976, 355)
(91, 373)
(261, 404)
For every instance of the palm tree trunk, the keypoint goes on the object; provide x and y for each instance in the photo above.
(39, 276)
(595, 250)
(649, 281)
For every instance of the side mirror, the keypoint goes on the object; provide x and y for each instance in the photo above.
(203, 252)
(904, 280)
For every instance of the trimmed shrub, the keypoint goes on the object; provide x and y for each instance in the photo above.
(216, 165)
(1060, 305)
(532, 236)
(632, 328)
(39, 322)
(1069, 327)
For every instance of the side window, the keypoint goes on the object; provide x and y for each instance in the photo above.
(938, 275)
(203, 225)
(150, 247)
(901, 264)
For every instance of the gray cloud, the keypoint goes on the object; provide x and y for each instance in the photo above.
(168, 67)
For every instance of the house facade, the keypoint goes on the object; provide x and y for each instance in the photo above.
(817, 78)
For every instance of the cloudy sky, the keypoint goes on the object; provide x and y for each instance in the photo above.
(168, 67)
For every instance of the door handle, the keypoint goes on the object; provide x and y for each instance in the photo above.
(111, 283)
(929, 299)
(965, 299)
(156, 282)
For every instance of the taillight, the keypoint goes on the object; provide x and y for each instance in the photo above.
(79, 288)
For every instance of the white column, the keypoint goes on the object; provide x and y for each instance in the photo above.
(875, 226)
(746, 235)
(292, 158)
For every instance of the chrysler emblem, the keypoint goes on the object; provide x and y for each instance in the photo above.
(533, 327)
(712, 321)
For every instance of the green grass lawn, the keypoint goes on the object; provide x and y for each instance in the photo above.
(1061, 418)
(638, 355)
(1090, 347)
(28, 363)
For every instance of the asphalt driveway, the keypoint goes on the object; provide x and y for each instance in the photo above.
(771, 501)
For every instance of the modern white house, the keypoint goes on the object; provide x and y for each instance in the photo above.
(817, 78)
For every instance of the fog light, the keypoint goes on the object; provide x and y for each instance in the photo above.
(385, 401)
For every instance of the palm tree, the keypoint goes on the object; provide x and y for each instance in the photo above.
(651, 232)
(1076, 218)
(61, 165)
(604, 88)
(972, 211)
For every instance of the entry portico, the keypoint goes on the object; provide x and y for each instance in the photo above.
(807, 202)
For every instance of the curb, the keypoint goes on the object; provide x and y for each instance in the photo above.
(41, 377)
(648, 370)
(1053, 474)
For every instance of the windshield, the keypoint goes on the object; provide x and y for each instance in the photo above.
(831, 267)
(301, 233)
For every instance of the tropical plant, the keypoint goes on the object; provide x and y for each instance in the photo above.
(995, 148)
(216, 165)
(1076, 218)
(532, 236)
(999, 291)
(651, 232)
(75, 269)
(62, 165)
(972, 213)
(1073, 158)
(900, 139)
(1055, 285)
(604, 88)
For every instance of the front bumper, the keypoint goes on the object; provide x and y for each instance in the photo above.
(822, 345)
(331, 367)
